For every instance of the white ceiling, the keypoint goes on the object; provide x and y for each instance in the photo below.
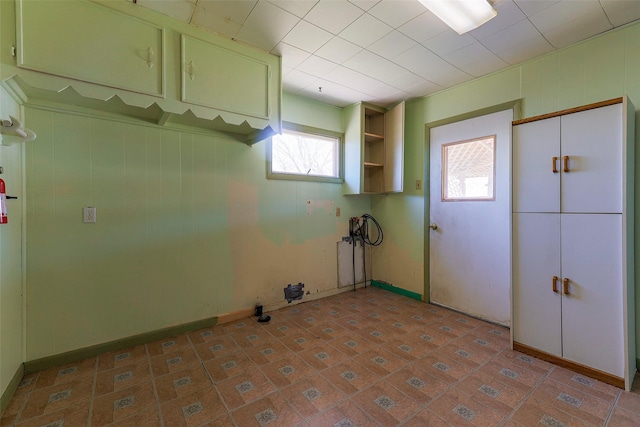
(383, 51)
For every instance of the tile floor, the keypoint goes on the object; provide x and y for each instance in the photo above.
(365, 358)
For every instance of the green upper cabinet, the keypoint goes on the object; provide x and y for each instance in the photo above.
(92, 43)
(117, 57)
(214, 76)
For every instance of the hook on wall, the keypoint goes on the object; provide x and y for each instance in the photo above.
(14, 127)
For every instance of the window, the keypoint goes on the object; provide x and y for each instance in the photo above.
(306, 154)
(468, 169)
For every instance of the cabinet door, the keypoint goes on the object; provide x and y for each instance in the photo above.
(394, 149)
(592, 312)
(220, 78)
(68, 39)
(353, 149)
(593, 141)
(536, 259)
(536, 187)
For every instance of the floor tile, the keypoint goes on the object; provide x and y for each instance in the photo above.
(244, 388)
(417, 384)
(173, 362)
(218, 346)
(168, 345)
(51, 399)
(443, 367)
(288, 370)
(228, 366)
(271, 410)
(322, 357)
(122, 404)
(350, 377)
(385, 403)
(74, 415)
(206, 335)
(458, 409)
(343, 415)
(193, 409)
(115, 359)
(268, 352)
(122, 377)
(181, 383)
(66, 373)
(312, 395)
(425, 418)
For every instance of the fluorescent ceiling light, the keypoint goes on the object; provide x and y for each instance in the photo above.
(461, 15)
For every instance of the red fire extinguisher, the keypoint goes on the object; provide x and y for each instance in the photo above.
(3, 203)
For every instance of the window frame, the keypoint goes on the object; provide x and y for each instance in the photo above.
(444, 179)
(294, 127)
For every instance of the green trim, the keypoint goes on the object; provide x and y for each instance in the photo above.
(389, 287)
(95, 350)
(11, 388)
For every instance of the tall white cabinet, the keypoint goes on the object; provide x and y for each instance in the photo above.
(573, 280)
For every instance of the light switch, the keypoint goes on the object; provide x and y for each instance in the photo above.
(89, 214)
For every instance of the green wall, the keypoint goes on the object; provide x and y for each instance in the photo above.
(188, 227)
(602, 68)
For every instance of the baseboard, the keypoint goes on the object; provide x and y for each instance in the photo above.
(95, 350)
(11, 388)
(573, 366)
(235, 315)
(389, 287)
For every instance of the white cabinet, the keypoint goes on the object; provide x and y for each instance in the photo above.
(573, 240)
(374, 149)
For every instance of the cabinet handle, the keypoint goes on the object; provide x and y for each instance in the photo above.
(554, 161)
(565, 162)
(565, 286)
(554, 284)
(150, 57)
(191, 70)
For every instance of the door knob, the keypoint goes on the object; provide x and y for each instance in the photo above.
(433, 226)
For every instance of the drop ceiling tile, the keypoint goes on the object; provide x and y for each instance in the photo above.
(298, 7)
(298, 80)
(396, 13)
(374, 66)
(222, 16)
(291, 55)
(448, 41)
(516, 36)
(365, 31)
(424, 88)
(364, 4)
(563, 12)
(333, 93)
(582, 28)
(427, 64)
(536, 46)
(391, 45)
(531, 7)
(266, 25)
(316, 66)
(423, 27)
(476, 60)
(352, 79)
(508, 14)
(338, 50)
(405, 80)
(385, 95)
(417, 60)
(179, 9)
(333, 15)
(307, 36)
(621, 12)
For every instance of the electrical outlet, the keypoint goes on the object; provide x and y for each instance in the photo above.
(337, 211)
(418, 184)
(89, 214)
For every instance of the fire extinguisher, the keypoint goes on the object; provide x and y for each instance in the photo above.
(3, 203)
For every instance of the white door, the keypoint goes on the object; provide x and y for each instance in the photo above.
(592, 321)
(537, 281)
(470, 216)
(592, 146)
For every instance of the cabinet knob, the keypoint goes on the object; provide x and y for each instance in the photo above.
(433, 226)
(565, 286)
(565, 162)
(554, 161)
(554, 284)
